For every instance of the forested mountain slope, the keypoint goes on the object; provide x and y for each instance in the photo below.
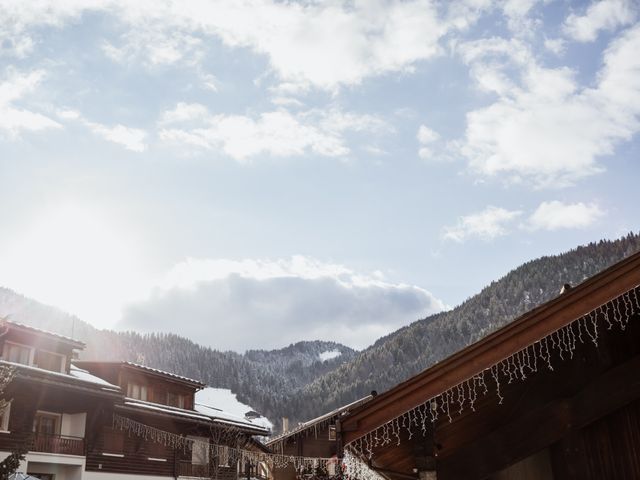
(402, 354)
(260, 378)
(295, 381)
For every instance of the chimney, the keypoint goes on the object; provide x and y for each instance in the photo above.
(285, 424)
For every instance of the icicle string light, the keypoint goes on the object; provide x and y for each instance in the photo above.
(560, 344)
(225, 454)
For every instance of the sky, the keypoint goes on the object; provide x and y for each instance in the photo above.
(250, 173)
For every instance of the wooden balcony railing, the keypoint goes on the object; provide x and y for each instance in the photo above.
(188, 469)
(57, 444)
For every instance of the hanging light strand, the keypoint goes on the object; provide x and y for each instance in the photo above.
(560, 343)
(223, 453)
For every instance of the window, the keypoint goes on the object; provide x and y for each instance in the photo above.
(17, 353)
(332, 432)
(46, 423)
(175, 400)
(200, 451)
(4, 418)
(137, 391)
(50, 361)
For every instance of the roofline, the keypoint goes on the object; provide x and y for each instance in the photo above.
(211, 421)
(77, 344)
(518, 334)
(315, 421)
(135, 366)
(54, 379)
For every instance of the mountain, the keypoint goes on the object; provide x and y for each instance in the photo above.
(307, 379)
(411, 349)
(260, 378)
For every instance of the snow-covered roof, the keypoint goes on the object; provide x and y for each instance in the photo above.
(84, 375)
(76, 377)
(322, 418)
(162, 372)
(74, 342)
(201, 413)
(224, 400)
(191, 381)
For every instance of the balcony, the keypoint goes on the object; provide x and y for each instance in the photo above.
(60, 444)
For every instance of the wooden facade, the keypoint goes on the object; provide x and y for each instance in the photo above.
(580, 420)
(313, 438)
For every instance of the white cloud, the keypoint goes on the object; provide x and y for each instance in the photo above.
(557, 46)
(426, 137)
(270, 303)
(555, 215)
(488, 224)
(130, 138)
(157, 48)
(518, 16)
(601, 15)
(323, 45)
(545, 129)
(278, 133)
(13, 88)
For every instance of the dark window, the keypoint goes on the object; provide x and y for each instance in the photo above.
(175, 400)
(49, 361)
(46, 424)
(332, 432)
(16, 353)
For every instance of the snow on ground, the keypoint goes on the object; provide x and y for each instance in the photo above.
(223, 399)
(329, 354)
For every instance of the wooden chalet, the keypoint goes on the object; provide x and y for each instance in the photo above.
(110, 420)
(51, 403)
(553, 395)
(162, 401)
(313, 438)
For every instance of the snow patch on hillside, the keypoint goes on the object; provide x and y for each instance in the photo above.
(329, 354)
(225, 400)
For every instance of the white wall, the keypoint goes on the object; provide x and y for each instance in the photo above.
(73, 425)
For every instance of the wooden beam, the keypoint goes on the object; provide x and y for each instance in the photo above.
(537, 429)
(481, 355)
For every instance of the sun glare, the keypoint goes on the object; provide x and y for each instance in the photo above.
(78, 260)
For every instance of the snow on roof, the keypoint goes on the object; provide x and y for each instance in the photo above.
(202, 414)
(223, 400)
(74, 377)
(162, 372)
(87, 377)
(78, 343)
(157, 371)
(315, 421)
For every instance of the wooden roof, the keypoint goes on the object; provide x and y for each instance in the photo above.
(522, 332)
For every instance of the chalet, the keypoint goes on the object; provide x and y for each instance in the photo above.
(51, 402)
(111, 420)
(313, 438)
(553, 395)
(165, 402)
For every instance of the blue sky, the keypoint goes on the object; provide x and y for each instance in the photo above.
(251, 173)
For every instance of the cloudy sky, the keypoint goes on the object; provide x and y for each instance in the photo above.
(253, 172)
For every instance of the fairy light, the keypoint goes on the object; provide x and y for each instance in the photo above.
(562, 341)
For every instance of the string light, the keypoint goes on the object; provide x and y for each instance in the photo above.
(223, 453)
(562, 341)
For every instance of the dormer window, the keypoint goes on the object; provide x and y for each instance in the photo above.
(175, 400)
(137, 391)
(54, 362)
(16, 353)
